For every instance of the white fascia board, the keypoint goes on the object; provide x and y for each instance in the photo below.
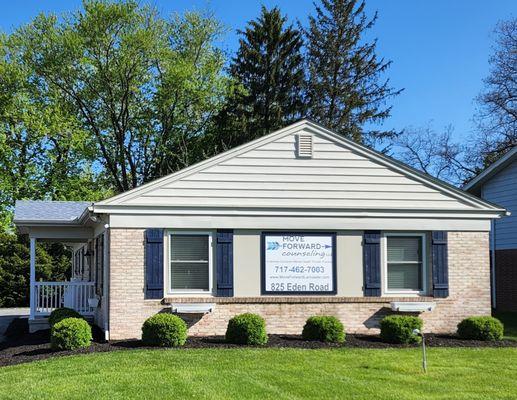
(301, 212)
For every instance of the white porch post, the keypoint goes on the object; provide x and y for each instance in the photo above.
(32, 277)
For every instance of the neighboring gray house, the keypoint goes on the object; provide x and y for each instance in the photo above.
(498, 184)
(297, 223)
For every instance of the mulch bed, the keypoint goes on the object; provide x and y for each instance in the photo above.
(35, 346)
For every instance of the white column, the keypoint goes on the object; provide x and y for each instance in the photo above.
(32, 277)
(106, 281)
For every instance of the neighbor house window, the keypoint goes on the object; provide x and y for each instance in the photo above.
(190, 262)
(405, 263)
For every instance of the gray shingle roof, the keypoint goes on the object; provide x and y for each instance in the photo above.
(49, 211)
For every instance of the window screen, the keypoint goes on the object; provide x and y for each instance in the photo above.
(405, 263)
(189, 262)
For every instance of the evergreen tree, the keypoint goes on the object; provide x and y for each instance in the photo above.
(268, 70)
(344, 89)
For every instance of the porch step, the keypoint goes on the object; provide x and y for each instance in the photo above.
(41, 323)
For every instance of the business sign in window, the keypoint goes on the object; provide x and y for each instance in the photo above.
(298, 263)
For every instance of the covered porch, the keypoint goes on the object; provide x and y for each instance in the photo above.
(69, 223)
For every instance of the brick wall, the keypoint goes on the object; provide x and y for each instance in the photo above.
(506, 279)
(469, 283)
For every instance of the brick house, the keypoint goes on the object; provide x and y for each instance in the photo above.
(297, 223)
(498, 184)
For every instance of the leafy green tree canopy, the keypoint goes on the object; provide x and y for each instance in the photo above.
(137, 90)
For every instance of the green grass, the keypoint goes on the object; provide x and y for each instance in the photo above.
(487, 373)
(509, 319)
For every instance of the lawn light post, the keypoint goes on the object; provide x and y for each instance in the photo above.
(424, 356)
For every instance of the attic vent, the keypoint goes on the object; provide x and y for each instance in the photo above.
(304, 142)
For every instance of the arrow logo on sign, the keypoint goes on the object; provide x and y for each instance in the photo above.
(327, 246)
(273, 245)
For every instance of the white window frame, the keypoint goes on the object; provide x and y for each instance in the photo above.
(167, 273)
(384, 243)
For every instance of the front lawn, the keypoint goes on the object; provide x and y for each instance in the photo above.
(487, 373)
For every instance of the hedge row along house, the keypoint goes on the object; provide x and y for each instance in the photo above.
(297, 223)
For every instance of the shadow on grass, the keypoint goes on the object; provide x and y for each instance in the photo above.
(509, 319)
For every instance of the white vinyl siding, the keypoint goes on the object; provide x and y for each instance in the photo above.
(501, 189)
(190, 262)
(272, 176)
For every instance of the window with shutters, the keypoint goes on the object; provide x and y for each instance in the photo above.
(405, 270)
(190, 266)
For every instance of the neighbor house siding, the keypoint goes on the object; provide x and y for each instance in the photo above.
(271, 176)
(468, 285)
(502, 190)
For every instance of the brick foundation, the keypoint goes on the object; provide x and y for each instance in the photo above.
(506, 279)
(469, 287)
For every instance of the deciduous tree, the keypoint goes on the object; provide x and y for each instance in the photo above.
(497, 116)
(142, 88)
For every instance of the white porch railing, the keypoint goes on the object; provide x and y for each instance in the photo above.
(52, 295)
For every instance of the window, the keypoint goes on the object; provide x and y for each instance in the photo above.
(190, 262)
(405, 263)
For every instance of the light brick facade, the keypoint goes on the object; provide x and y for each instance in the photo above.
(469, 287)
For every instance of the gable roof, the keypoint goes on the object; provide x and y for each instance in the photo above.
(474, 185)
(129, 198)
(41, 211)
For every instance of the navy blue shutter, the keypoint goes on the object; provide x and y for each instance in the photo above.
(440, 264)
(372, 263)
(224, 264)
(153, 263)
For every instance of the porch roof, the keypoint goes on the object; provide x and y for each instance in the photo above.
(38, 212)
(65, 221)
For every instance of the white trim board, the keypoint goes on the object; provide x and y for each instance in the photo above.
(301, 223)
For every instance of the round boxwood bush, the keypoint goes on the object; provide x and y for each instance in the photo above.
(324, 328)
(247, 329)
(164, 330)
(399, 329)
(481, 328)
(60, 314)
(70, 334)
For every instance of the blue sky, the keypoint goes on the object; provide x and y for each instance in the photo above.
(439, 48)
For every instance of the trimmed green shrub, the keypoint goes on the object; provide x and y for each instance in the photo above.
(399, 329)
(324, 328)
(481, 328)
(70, 334)
(247, 329)
(60, 314)
(164, 330)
